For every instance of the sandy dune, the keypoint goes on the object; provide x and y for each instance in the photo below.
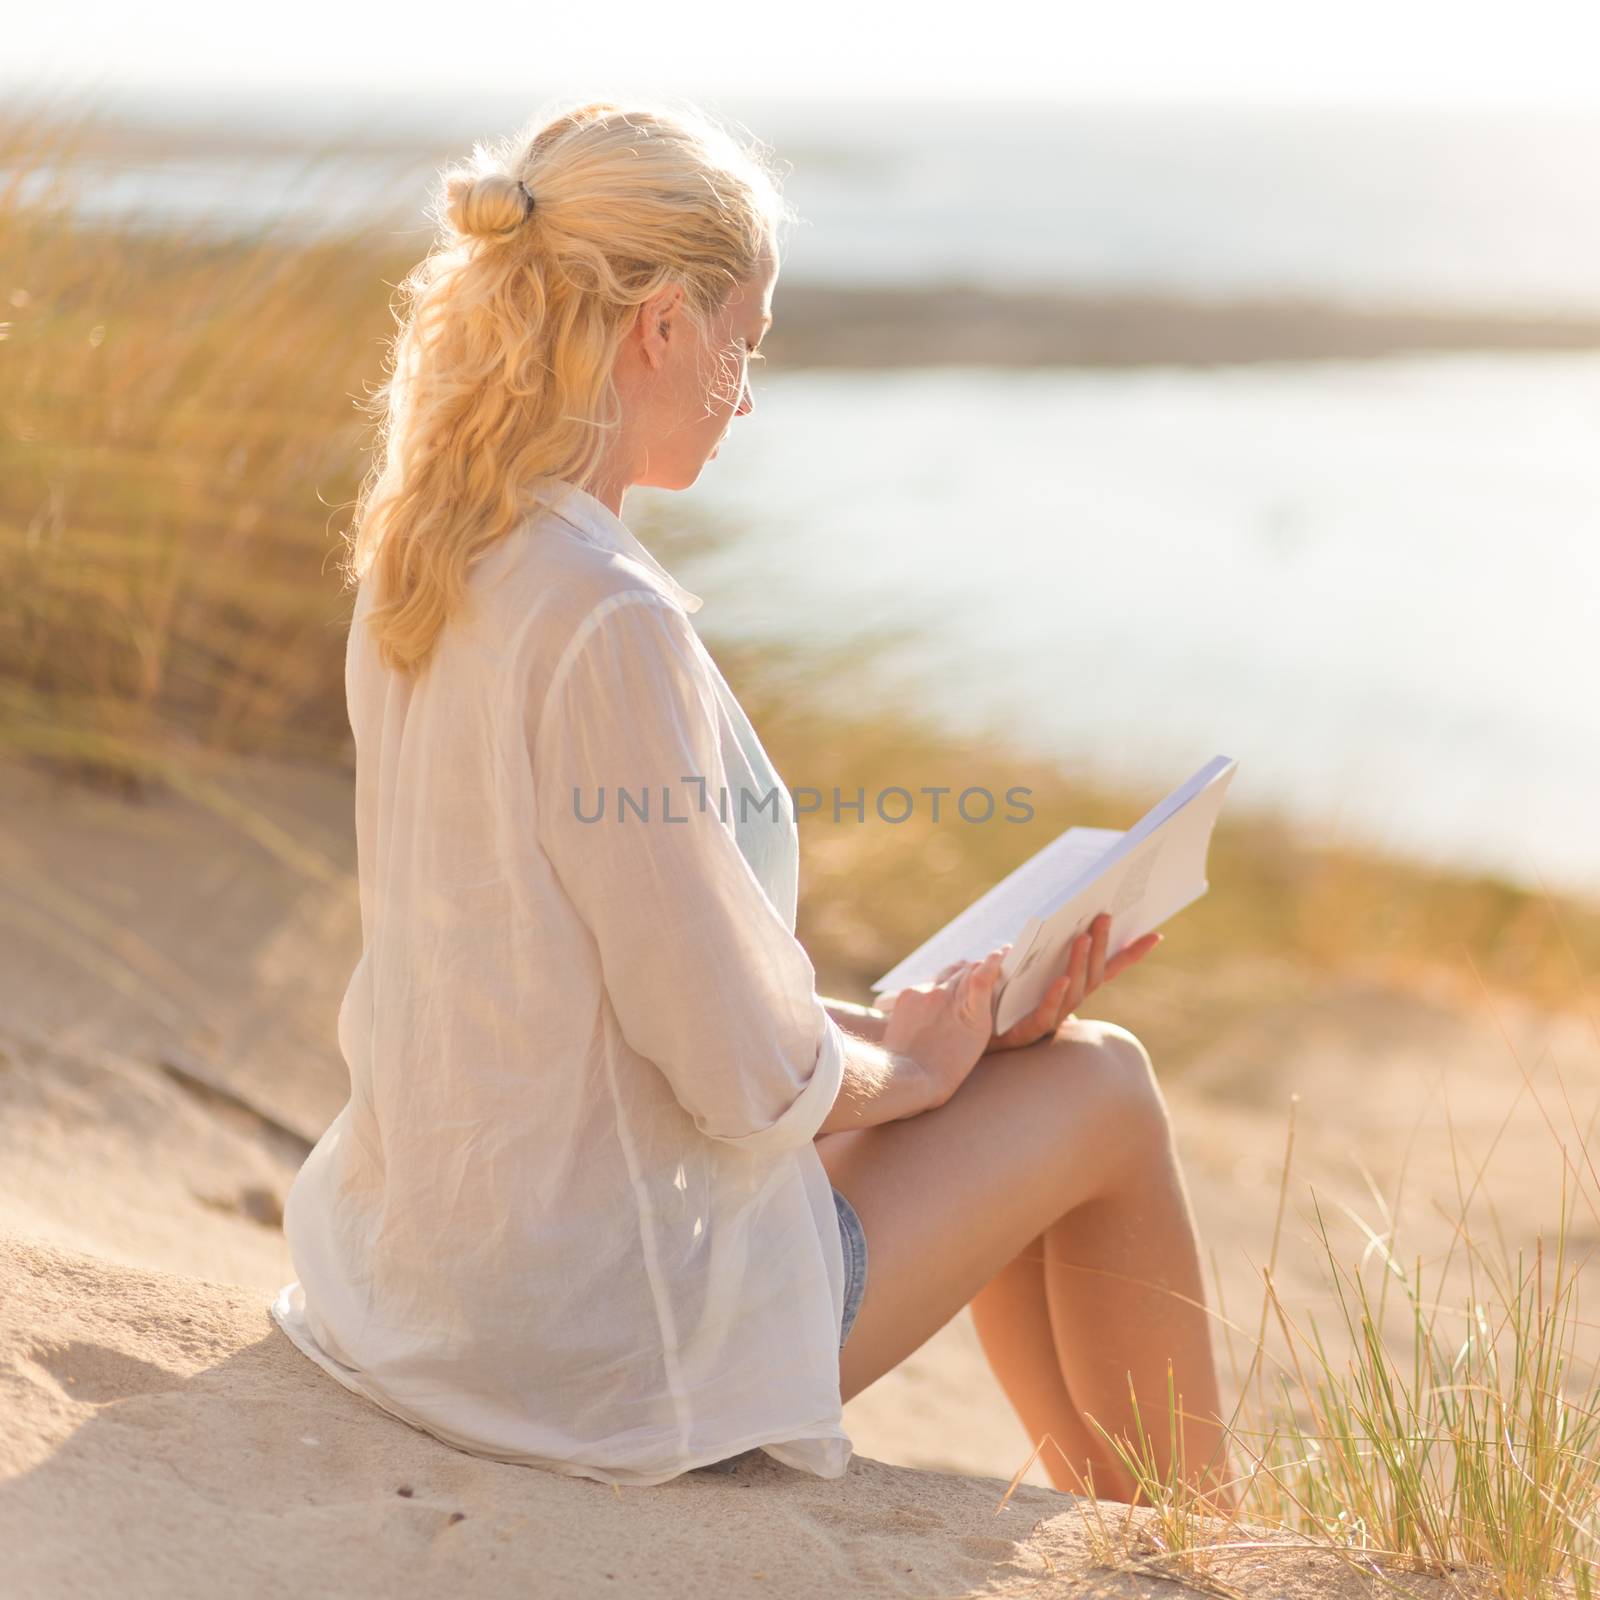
(168, 980)
(163, 1440)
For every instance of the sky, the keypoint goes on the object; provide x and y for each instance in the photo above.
(1536, 52)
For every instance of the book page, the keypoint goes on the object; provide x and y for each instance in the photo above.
(999, 915)
(1141, 877)
(1150, 874)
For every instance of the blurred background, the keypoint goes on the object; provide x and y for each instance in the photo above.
(1147, 383)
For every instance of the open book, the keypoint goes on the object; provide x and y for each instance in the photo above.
(1141, 877)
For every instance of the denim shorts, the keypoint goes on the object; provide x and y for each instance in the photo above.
(854, 1240)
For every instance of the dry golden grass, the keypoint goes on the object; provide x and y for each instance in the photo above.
(1466, 1450)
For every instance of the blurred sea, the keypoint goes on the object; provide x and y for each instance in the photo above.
(1376, 583)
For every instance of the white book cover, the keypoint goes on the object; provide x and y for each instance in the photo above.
(1142, 877)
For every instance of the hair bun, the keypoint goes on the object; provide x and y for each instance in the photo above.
(487, 207)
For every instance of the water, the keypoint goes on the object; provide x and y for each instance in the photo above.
(1375, 584)
(1438, 207)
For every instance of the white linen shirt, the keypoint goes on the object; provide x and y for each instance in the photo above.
(572, 1215)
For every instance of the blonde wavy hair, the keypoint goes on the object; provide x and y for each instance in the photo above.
(500, 373)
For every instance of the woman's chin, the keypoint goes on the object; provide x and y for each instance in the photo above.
(678, 478)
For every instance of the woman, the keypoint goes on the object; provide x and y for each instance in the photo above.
(605, 1193)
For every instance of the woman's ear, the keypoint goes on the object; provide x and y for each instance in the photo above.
(657, 322)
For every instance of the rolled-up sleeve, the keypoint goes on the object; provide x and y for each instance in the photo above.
(705, 977)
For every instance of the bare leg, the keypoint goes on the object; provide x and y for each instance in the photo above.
(1066, 1143)
(1012, 1316)
(1063, 1330)
(1123, 1281)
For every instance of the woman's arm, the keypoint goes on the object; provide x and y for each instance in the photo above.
(862, 1021)
(930, 1043)
(705, 977)
(877, 1086)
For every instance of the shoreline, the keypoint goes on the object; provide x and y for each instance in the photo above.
(893, 326)
(820, 325)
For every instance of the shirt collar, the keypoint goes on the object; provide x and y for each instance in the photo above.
(583, 512)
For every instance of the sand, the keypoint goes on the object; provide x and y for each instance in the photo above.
(168, 981)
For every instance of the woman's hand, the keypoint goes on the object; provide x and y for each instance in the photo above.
(1086, 969)
(945, 1026)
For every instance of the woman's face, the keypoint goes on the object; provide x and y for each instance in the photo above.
(680, 395)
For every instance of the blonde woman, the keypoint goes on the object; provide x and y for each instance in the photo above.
(616, 1193)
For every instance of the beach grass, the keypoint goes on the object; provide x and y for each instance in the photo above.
(1458, 1441)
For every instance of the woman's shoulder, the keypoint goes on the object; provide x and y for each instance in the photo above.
(550, 588)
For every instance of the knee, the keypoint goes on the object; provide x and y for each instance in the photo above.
(1134, 1110)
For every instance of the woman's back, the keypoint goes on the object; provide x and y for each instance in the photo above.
(553, 1224)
